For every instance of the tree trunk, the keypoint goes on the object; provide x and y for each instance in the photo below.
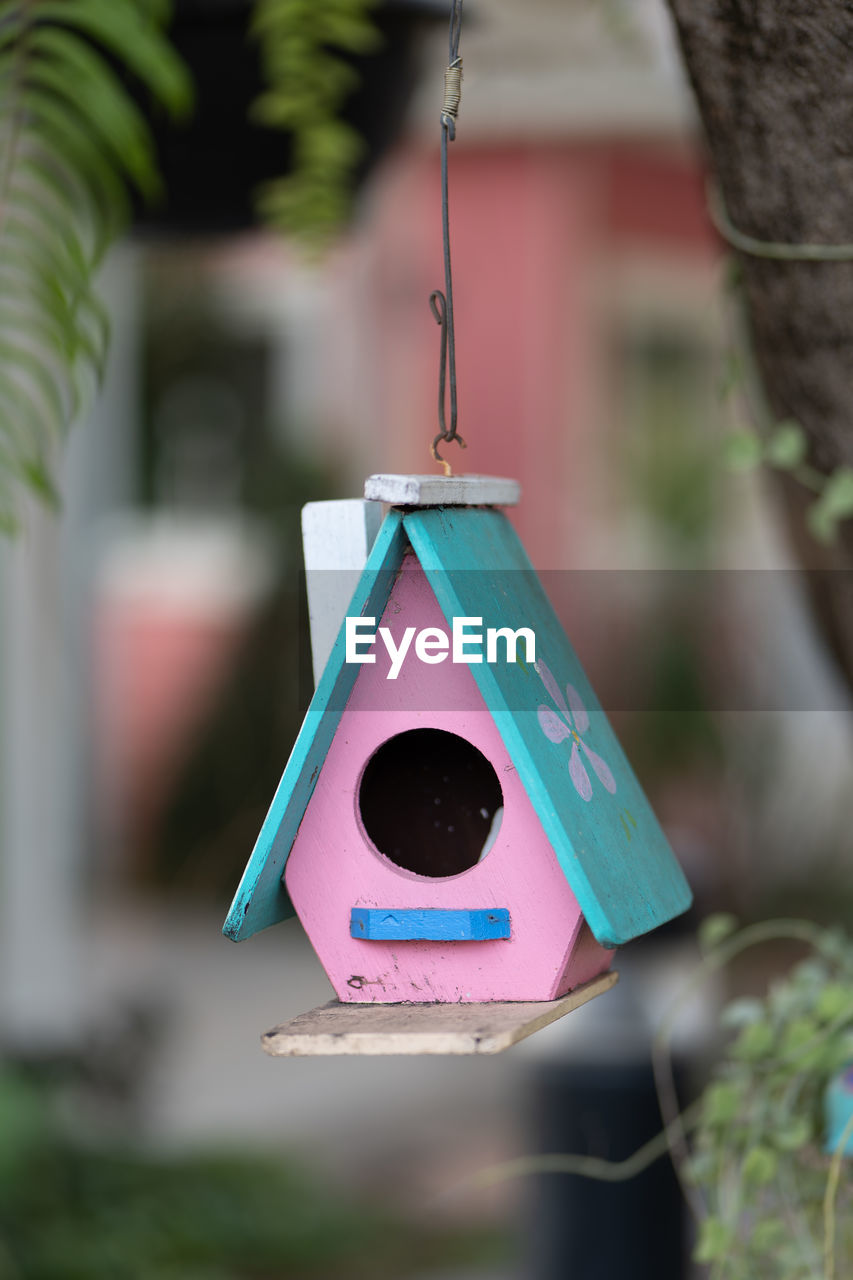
(774, 84)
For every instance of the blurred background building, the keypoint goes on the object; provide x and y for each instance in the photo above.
(153, 644)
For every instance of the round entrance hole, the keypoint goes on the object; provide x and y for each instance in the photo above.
(430, 802)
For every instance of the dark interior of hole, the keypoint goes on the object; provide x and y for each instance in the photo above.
(427, 801)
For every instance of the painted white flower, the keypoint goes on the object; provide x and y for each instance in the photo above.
(575, 723)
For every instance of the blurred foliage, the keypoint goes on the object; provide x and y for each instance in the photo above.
(73, 1210)
(205, 385)
(781, 446)
(672, 463)
(785, 449)
(221, 794)
(773, 1212)
(772, 1199)
(672, 474)
(678, 731)
(221, 788)
(307, 85)
(72, 142)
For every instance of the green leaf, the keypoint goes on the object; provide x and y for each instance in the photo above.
(102, 213)
(721, 1104)
(85, 86)
(715, 1240)
(348, 30)
(329, 146)
(39, 481)
(63, 133)
(44, 256)
(22, 315)
(833, 505)
(281, 111)
(33, 219)
(768, 1234)
(40, 375)
(24, 420)
(306, 84)
(743, 1012)
(138, 44)
(52, 183)
(835, 1000)
(37, 289)
(93, 330)
(760, 1166)
(754, 1042)
(715, 929)
(71, 137)
(794, 1136)
(799, 1032)
(743, 451)
(787, 446)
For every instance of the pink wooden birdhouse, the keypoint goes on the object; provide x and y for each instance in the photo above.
(457, 821)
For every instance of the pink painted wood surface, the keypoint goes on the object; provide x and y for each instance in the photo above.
(334, 867)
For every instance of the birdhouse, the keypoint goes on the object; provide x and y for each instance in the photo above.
(457, 823)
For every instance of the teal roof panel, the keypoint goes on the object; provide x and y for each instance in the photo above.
(261, 899)
(592, 808)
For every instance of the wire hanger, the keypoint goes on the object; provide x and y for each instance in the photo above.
(441, 303)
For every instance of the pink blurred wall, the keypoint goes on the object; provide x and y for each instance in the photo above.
(531, 226)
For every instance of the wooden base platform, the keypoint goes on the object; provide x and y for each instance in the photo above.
(336, 1028)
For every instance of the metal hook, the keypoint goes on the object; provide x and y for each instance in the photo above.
(439, 309)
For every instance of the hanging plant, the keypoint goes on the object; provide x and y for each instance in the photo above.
(76, 150)
(767, 1170)
(776, 1205)
(73, 144)
(307, 82)
(785, 449)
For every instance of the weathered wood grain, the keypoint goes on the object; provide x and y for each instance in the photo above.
(336, 1029)
(336, 541)
(444, 491)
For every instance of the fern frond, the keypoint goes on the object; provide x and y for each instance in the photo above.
(72, 142)
(306, 87)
